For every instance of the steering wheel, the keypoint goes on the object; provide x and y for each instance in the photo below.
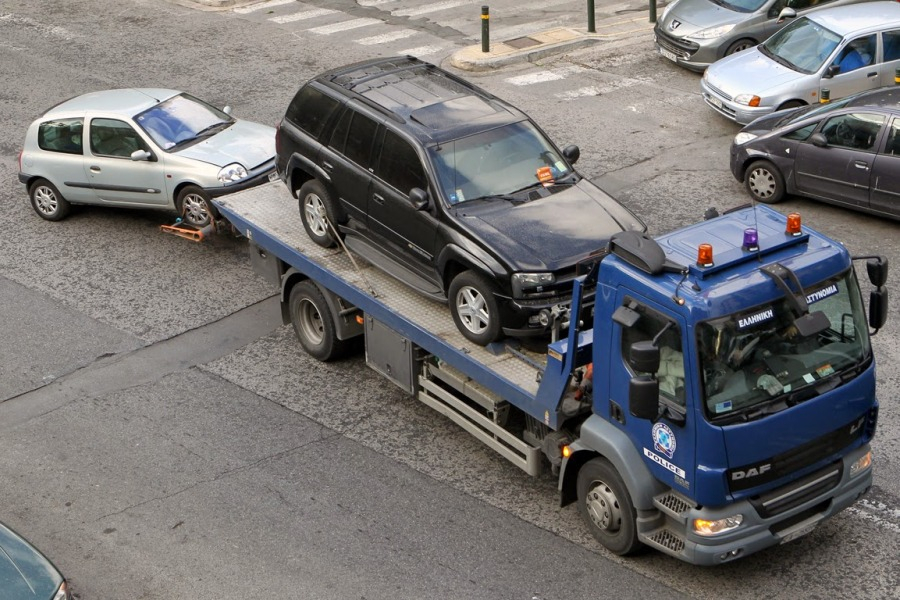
(844, 134)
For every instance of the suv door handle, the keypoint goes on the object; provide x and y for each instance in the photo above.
(378, 198)
(327, 166)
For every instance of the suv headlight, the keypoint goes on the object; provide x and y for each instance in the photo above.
(712, 32)
(530, 282)
(744, 137)
(708, 528)
(232, 172)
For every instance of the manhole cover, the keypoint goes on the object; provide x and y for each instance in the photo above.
(522, 42)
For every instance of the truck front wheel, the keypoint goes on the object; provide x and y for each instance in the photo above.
(314, 323)
(606, 507)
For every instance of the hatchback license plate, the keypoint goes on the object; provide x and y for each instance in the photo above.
(798, 534)
(715, 101)
(670, 55)
(273, 176)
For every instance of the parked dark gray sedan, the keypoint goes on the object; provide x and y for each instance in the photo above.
(846, 153)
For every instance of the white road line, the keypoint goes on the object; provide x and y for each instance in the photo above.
(303, 15)
(254, 7)
(433, 7)
(421, 50)
(344, 26)
(43, 29)
(532, 78)
(579, 93)
(387, 37)
(372, 2)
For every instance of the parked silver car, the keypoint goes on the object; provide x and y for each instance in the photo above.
(142, 148)
(697, 33)
(846, 49)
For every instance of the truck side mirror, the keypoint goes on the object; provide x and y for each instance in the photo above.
(877, 268)
(571, 153)
(643, 397)
(819, 140)
(878, 307)
(643, 357)
(418, 198)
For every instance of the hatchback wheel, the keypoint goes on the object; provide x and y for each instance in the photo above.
(739, 45)
(764, 182)
(473, 304)
(47, 202)
(194, 206)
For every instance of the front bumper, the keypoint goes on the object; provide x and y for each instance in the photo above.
(723, 104)
(523, 315)
(259, 176)
(689, 54)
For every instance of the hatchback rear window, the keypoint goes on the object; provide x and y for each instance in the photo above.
(62, 135)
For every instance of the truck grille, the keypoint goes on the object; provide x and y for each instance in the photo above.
(799, 492)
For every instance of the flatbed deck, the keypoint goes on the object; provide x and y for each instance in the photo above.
(270, 217)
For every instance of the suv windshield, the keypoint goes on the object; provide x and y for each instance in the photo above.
(497, 162)
(803, 46)
(755, 363)
(181, 119)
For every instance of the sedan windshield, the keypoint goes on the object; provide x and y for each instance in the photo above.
(802, 46)
(180, 120)
(497, 162)
(756, 362)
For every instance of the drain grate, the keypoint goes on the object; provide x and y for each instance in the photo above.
(522, 42)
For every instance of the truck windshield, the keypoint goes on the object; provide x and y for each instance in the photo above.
(755, 362)
(498, 162)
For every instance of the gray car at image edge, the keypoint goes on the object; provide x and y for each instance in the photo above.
(696, 33)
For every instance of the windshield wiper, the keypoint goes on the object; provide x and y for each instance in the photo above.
(780, 60)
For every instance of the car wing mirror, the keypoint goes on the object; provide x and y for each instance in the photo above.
(831, 71)
(418, 198)
(818, 140)
(571, 153)
(785, 14)
(140, 155)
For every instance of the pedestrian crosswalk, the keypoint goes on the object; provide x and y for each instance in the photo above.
(431, 30)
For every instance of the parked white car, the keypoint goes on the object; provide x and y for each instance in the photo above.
(142, 148)
(846, 49)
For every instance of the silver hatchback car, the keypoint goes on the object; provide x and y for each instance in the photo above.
(846, 49)
(142, 148)
(697, 33)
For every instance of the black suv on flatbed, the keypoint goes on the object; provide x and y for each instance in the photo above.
(446, 187)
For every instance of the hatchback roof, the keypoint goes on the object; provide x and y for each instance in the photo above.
(126, 102)
(433, 103)
(858, 18)
(886, 97)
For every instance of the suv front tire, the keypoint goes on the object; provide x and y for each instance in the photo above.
(474, 306)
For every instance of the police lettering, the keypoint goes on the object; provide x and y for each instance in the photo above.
(757, 318)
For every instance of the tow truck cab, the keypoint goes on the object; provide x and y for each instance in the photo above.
(733, 386)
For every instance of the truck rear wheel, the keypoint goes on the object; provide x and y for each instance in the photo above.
(313, 322)
(606, 507)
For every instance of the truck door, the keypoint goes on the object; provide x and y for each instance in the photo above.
(667, 445)
(347, 158)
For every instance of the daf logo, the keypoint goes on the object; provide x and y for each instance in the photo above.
(752, 472)
(674, 25)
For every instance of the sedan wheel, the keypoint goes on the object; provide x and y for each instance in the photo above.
(764, 182)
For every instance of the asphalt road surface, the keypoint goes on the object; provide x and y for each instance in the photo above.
(163, 436)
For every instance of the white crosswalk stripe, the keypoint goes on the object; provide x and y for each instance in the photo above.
(303, 15)
(386, 38)
(246, 10)
(532, 78)
(344, 26)
(430, 8)
(421, 51)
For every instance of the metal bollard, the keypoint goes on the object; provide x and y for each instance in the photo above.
(653, 11)
(485, 29)
(897, 76)
(825, 96)
(592, 25)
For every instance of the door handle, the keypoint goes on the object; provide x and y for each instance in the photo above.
(861, 165)
(378, 198)
(95, 169)
(327, 166)
(872, 74)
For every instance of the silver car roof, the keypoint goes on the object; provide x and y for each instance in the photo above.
(123, 102)
(858, 18)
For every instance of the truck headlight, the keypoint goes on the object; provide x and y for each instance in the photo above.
(712, 32)
(709, 528)
(231, 173)
(744, 137)
(861, 464)
(530, 282)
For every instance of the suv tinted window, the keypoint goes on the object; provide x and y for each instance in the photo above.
(359, 138)
(400, 165)
(63, 135)
(310, 109)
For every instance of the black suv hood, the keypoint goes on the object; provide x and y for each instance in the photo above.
(549, 233)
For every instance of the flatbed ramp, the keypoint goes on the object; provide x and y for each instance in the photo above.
(270, 217)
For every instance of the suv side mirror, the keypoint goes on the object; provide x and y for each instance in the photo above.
(643, 397)
(571, 153)
(786, 13)
(819, 140)
(418, 198)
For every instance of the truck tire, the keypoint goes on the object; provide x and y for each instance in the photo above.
(474, 308)
(313, 323)
(319, 213)
(47, 202)
(606, 507)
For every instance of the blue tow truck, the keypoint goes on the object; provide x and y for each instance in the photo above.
(722, 400)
